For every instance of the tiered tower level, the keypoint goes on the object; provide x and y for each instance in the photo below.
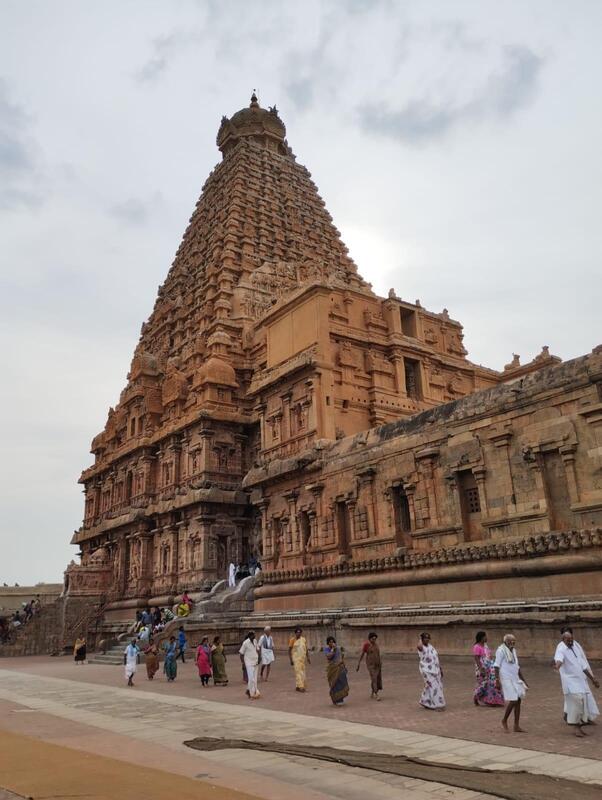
(265, 347)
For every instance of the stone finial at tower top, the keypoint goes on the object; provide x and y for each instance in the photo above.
(254, 123)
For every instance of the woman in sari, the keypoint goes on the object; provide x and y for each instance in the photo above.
(151, 659)
(373, 662)
(336, 672)
(183, 610)
(432, 695)
(299, 657)
(170, 665)
(218, 662)
(486, 692)
(79, 650)
(203, 661)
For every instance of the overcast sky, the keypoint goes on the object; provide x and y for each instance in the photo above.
(456, 144)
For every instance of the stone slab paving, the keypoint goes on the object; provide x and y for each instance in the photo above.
(168, 720)
(542, 714)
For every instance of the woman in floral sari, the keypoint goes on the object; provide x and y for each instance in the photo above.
(432, 695)
(336, 672)
(203, 661)
(486, 692)
(218, 662)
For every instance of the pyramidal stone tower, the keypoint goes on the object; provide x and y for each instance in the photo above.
(264, 344)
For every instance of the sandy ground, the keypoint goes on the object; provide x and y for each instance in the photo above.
(61, 772)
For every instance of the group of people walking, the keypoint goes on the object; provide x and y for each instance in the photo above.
(499, 680)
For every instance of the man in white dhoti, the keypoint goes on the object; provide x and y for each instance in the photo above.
(509, 679)
(130, 659)
(592, 706)
(266, 649)
(232, 574)
(249, 655)
(574, 669)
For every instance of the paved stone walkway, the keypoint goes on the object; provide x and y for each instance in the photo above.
(168, 720)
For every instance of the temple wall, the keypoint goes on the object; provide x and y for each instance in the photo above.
(515, 463)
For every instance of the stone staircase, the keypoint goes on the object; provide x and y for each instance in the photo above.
(219, 611)
(41, 634)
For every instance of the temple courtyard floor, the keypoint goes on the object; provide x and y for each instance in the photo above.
(78, 731)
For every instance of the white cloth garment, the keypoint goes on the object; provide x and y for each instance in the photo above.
(579, 702)
(249, 652)
(513, 688)
(266, 646)
(131, 660)
(232, 575)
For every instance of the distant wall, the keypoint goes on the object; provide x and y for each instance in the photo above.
(13, 597)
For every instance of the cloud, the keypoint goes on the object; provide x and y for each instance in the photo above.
(164, 51)
(18, 162)
(501, 95)
(132, 211)
(300, 92)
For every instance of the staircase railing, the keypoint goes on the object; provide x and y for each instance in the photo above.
(87, 618)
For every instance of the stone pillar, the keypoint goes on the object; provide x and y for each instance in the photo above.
(425, 462)
(391, 314)
(351, 507)
(479, 473)
(148, 460)
(260, 409)
(205, 454)
(366, 493)
(536, 465)
(294, 533)
(266, 532)
(502, 443)
(175, 447)
(567, 453)
(313, 530)
(286, 427)
(312, 422)
(145, 539)
(316, 490)
(400, 373)
(453, 499)
(410, 491)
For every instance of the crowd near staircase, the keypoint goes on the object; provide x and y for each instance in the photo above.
(218, 611)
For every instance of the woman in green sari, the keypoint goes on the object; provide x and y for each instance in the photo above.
(170, 665)
(336, 672)
(218, 662)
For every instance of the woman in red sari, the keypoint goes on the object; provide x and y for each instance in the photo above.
(203, 661)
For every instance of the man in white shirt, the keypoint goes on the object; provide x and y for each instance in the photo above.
(249, 655)
(573, 667)
(509, 680)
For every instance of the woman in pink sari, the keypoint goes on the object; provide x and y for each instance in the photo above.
(486, 692)
(203, 661)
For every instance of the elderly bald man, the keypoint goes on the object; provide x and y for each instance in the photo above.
(579, 705)
(266, 649)
(509, 679)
